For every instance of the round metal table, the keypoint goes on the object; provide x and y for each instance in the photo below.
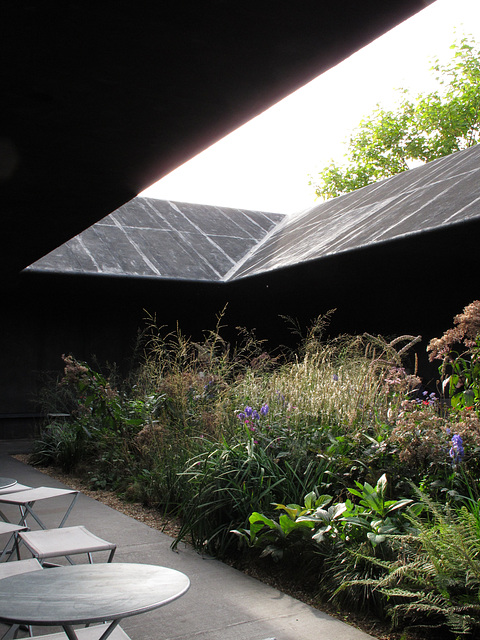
(83, 594)
(6, 483)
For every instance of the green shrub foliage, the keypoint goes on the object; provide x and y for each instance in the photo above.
(311, 459)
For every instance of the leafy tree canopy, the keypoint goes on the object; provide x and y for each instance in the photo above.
(421, 128)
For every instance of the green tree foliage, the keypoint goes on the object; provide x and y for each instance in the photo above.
(421, 128)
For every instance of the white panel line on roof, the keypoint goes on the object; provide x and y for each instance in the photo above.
(157, 213)
(89, 254)
(232, 220)
(174, 206)
(148, 262)
(236, 267)
(467, 206)
(245, 215)
(383, 232)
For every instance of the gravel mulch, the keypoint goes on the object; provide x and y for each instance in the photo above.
(148, 515)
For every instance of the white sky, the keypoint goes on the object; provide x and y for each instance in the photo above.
(265, 164)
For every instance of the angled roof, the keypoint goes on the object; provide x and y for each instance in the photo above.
(162, 239)
(180, 241)
(440, 193)
(102, 99)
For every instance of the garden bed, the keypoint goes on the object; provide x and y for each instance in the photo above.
(332, 471)
(170, 525)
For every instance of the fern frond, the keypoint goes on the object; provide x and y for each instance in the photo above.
(419, 572)
(367, 582)
(399, 593)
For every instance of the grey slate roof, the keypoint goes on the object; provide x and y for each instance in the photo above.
(162, 239)
(439, 193)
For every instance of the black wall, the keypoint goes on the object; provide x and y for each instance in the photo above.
(414, 285)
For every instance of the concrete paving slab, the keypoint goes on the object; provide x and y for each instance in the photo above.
(222, 603)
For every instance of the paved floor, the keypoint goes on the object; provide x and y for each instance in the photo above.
(222, 603)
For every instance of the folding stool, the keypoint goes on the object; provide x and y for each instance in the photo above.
(45, 544)
(88, 633)
(26, 499)
(8, 569)
(8, 528)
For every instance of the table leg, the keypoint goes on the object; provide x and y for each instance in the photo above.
(11, 632)
(70, 631)
(26, 509)
(68, 510)
(109, 630)
(9, 552)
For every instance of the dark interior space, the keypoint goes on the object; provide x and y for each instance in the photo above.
(392, 289)
(101, 100)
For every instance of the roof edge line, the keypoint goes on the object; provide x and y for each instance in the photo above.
(230, 275)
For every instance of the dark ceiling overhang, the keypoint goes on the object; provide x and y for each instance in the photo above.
(102, 99)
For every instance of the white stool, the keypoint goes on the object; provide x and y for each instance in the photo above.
(88, 633)
(66, 541)
(8, 528)
(26, 499)
(8, 569)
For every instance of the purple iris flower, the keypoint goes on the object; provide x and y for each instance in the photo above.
(457, 451)
(248, 411)
(264, 409)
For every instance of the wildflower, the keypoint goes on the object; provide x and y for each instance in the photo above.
(335, 377)
(264, 409)
(467, 328)
(395, 376)
(255, 415)
(248, 411)
(457, 451)
(241, 416)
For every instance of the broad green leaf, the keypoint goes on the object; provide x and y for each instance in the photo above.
(337, 510)
(319, 535)
(288, 525)
(381, 485)
(310, 499)
(398, 504)
(258, 521)
(320, 515)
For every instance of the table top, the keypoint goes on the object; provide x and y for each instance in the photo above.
(80, 594)
(5, 483)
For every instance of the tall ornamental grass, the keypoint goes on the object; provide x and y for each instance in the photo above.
(334, 436)
(195, 419)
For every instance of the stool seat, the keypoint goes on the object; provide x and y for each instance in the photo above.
(89, 633)
(14, 488)
(65, 541)
(8, 569)
(26, 499)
